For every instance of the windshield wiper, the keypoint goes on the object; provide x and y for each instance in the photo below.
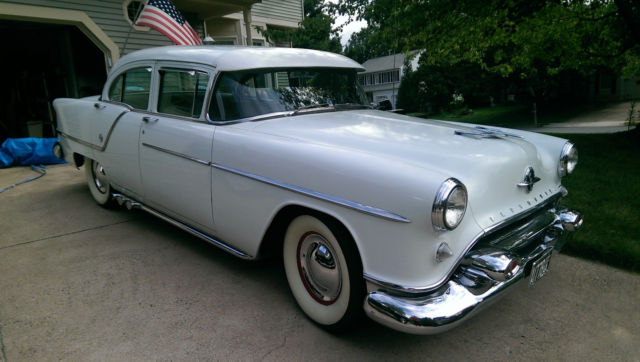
(313, 107)
(352, 106)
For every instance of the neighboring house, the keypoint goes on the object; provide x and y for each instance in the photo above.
(605, 86)
(64, 48)
(231, 29)
(383, 75)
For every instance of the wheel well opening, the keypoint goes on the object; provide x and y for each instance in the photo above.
(273, 238)
(78, 159)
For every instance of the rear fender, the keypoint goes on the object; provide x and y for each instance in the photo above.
(87, 121)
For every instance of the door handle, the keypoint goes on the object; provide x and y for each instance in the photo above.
(147, 119)
(98, 105)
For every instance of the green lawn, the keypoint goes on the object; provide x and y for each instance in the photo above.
(515, 115)
(606, 188)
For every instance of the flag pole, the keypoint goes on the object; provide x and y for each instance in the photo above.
(126, 41)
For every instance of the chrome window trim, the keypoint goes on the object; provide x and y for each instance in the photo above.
(253, 118)
(259, 117)
(183, 70)
(429, 288)
(111, 79)
(166, 115)
(370, 210)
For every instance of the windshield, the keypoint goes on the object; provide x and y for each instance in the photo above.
(252, 93)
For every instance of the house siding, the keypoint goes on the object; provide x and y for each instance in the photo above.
(284, 10)
(108, 15)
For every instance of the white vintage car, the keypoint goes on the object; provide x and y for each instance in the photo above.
(416, 223)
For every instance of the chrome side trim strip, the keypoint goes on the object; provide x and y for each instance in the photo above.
(370, 210)
(177, 154)
(84, 143)
(106, 141)
(424, 289)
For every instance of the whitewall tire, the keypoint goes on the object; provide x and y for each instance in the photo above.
(324, 271)
(98, 182)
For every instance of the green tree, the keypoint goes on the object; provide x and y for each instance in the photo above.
(532, 42)
(366, 44)
(315, 31)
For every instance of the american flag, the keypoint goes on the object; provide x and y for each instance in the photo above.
(163, 16)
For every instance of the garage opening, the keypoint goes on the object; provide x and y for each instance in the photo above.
(41, 62)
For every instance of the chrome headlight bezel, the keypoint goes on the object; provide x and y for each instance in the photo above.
(568, 159)
(442, 204)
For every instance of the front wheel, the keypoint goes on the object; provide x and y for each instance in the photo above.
(98, 182)
(324, 271)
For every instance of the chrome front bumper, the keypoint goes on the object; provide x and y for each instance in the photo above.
(492, 267)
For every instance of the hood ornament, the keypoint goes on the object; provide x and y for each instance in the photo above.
(484, 132)
(529, 179)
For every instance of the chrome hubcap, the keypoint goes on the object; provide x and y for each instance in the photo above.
(319, 269)
(99, 177)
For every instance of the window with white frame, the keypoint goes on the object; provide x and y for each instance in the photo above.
(385, 77)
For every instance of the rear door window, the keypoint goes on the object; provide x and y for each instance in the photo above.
(132, 88)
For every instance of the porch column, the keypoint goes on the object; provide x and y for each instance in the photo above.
(247, 23)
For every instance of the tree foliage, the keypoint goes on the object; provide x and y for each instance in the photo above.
(315, 31)
(533, 42)
(366, 44)
(525, 37)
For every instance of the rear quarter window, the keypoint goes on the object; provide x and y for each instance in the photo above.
(132, 88)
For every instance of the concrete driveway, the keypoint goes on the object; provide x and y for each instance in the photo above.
(611, 118)
(78, 282)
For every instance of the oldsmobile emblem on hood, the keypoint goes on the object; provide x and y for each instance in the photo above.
(485, 132)
(529, 179)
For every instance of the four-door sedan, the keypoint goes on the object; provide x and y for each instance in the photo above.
(416, 223)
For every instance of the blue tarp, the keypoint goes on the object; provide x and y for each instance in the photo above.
(28, 151)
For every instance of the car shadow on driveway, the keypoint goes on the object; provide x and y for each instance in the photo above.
(80, 282)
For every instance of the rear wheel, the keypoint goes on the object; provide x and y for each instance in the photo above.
(324, 271)
(98, 182)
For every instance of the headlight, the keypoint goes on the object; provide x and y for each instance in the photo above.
(568, 159)
(450, 205)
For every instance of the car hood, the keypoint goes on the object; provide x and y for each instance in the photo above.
(490, 168)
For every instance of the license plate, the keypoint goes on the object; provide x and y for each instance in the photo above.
(540, 268)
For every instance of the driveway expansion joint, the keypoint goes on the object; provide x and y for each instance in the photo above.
(66, 234)
(3, 354)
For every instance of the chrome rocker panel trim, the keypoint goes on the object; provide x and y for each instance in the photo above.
(485, 274)
(132, 204)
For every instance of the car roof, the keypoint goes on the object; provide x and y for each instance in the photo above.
(230, 58)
